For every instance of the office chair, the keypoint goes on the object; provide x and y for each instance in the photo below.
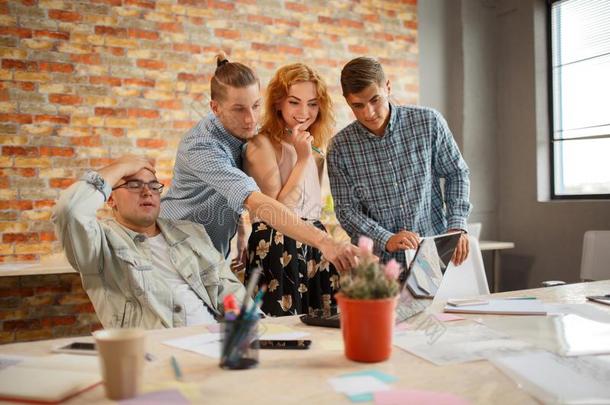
(595, 260)
(467, 279)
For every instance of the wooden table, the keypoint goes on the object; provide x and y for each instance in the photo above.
(285, 376)
(495, 247)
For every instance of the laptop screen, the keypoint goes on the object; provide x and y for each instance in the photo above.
(422, 279)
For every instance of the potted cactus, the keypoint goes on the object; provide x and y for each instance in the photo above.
(367, 301)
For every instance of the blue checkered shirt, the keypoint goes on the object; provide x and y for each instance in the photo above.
(381, 185)
(209, 186)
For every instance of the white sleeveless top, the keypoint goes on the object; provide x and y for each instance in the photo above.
(309, 204)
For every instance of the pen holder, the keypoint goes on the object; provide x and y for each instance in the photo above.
(239, 346)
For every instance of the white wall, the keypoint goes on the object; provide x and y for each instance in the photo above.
(502, 98)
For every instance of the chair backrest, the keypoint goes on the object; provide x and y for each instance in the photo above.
(595, 263)
(467, 279)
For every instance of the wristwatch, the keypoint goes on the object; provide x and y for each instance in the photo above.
(97, 181)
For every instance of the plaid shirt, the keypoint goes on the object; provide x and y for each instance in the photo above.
(209, 186)
(381, 185)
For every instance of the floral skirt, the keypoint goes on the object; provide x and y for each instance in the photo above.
(299, 280)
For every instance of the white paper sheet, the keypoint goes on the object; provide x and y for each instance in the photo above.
(458, 344)
(555, 379)
(207, 344)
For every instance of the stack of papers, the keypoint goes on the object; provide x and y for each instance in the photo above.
(501, 307)
(554, 379)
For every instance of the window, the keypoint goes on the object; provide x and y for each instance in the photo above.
(580, 95)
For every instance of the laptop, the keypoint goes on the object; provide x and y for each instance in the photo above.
(419, 282)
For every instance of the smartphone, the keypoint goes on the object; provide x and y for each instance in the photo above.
(284, 344)
(77, 348)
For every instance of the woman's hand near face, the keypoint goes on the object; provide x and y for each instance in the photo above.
(301, 140)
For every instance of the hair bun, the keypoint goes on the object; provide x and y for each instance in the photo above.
(221, 59)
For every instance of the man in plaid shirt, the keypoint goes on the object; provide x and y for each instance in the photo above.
(385, 169)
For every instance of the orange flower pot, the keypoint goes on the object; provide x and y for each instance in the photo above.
(367, 327)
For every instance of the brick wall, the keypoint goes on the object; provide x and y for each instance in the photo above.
(82, 82)
(44, 307)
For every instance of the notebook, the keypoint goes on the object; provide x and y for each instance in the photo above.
(49, 379)
(419, 282)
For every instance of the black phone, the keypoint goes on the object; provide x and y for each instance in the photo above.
(284, 344)
(602, 299)
(78, 348)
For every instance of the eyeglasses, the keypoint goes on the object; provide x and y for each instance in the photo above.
(138, 185)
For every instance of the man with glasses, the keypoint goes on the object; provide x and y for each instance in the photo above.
(140, 270)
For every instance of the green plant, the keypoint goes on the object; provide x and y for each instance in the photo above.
(370, 280)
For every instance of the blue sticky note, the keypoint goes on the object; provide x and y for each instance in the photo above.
(361, 397)
(381, 376)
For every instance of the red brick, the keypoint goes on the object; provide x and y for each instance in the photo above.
(261, 19)
(371, 17)
(58, 320)
(4, 9)
(407, 38)
(142, 113)
(151, 64)
(16, 292)
(284, 21)
(109, 112)
(139, 82)
(170, 104)
(101, 162)
(19, 65)
(410, 24)
(84, 309)
(109, 2)
(65, 99)
(143, 34)
(326, 20)
(116, 132)
(36, 334)
(16, 32)
(140, 3)
(183, 124)
(4, 96)
(116, 32)
(61, 183)
(199, 3)
(53, 289)
(67, 16)
(263, 47)
(56, 119)
(21, 205)
(56, 67)
(229, 34)
(19, 118)
(5, 182)
(293, 50)
(197, 21)
(48, 236)
(301, 8)
(26, 172)
(312, 43)
(29, 3)
(344, 22)
(187, 48)
(86, 141)
(52, 34)
(189, 77)
(21, 324)
(106, 80)
(358, 49)
(221, 5)
(30, 151)
(115, 50)
(20, 237)
(56, 151)
(44, 203)
(87, 59)
(170, 27)
(151, 143)
(384, 36)
(27, 86)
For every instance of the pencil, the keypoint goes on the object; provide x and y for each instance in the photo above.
(176, 368)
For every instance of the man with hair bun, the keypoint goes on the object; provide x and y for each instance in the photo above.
(209, 186)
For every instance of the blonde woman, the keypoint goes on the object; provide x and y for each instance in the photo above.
(296, 127)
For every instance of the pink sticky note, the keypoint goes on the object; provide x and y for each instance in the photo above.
(443, 317)
(404, 326)
(399, 397)
(214, 328)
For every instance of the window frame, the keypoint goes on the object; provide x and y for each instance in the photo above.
(549, 41)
